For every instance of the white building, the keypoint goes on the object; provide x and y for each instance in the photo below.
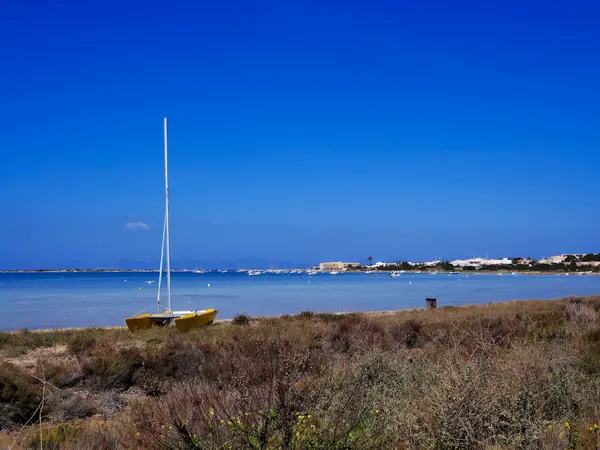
(479, 262)
(337, 265)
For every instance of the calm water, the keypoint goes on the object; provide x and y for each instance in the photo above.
(31, 300)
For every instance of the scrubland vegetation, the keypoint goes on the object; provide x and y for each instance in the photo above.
(506, 375)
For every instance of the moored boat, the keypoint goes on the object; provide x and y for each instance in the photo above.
(195, 319)
(187, 319)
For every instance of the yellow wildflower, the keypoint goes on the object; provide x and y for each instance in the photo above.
(211, 412)
(567, 425)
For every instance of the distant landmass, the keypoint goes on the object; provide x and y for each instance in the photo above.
(581, 262)
(132, 265)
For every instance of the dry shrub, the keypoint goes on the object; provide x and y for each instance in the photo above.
(284, 405)
(61, 372)
(13, 352)
(581, 318)
(76, 338)
(180, 357)
(493, 397)
(66, 405)
(409, 333)
(116, 433)
(107, 368)
(241, 319)
(356, 332)
(80, 343)
(250, 359)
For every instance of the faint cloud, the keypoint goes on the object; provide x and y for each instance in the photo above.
(134, 226)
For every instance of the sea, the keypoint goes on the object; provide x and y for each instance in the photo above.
(63, 300)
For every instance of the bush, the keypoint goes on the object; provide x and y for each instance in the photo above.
(65, 405)
(80, 343)
(241, 319)
(330, 317)
(52, 438)
(408, 333)
(179, 358)
(276, 398)
(306, 315)
(61, 372)
(591, 257)
(106, 368)
(20, 396)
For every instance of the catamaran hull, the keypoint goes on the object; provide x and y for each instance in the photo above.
(146, 321)
(196, 320)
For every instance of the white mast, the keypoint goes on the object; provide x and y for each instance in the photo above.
(167, 219)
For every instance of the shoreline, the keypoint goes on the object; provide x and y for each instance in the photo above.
(374, 313)
(321, 272)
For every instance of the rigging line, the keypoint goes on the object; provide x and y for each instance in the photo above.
(162, 254)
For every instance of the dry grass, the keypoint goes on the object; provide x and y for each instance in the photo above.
(506, 375)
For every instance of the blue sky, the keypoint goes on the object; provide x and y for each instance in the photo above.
(298, 131)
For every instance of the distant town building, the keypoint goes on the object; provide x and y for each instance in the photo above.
(337, 265)
(558, 259)
(478, 262)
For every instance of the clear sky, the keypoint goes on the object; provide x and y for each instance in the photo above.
(298, 131)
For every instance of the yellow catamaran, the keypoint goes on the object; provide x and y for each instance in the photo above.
(183, 320)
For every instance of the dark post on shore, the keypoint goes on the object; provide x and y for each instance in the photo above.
(431, 303)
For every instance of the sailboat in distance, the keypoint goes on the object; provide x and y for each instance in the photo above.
(183, 320)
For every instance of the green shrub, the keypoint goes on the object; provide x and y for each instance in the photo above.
(51, 438)
(20, 396)
(306, 315)
(80, 343)
(330, 317)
